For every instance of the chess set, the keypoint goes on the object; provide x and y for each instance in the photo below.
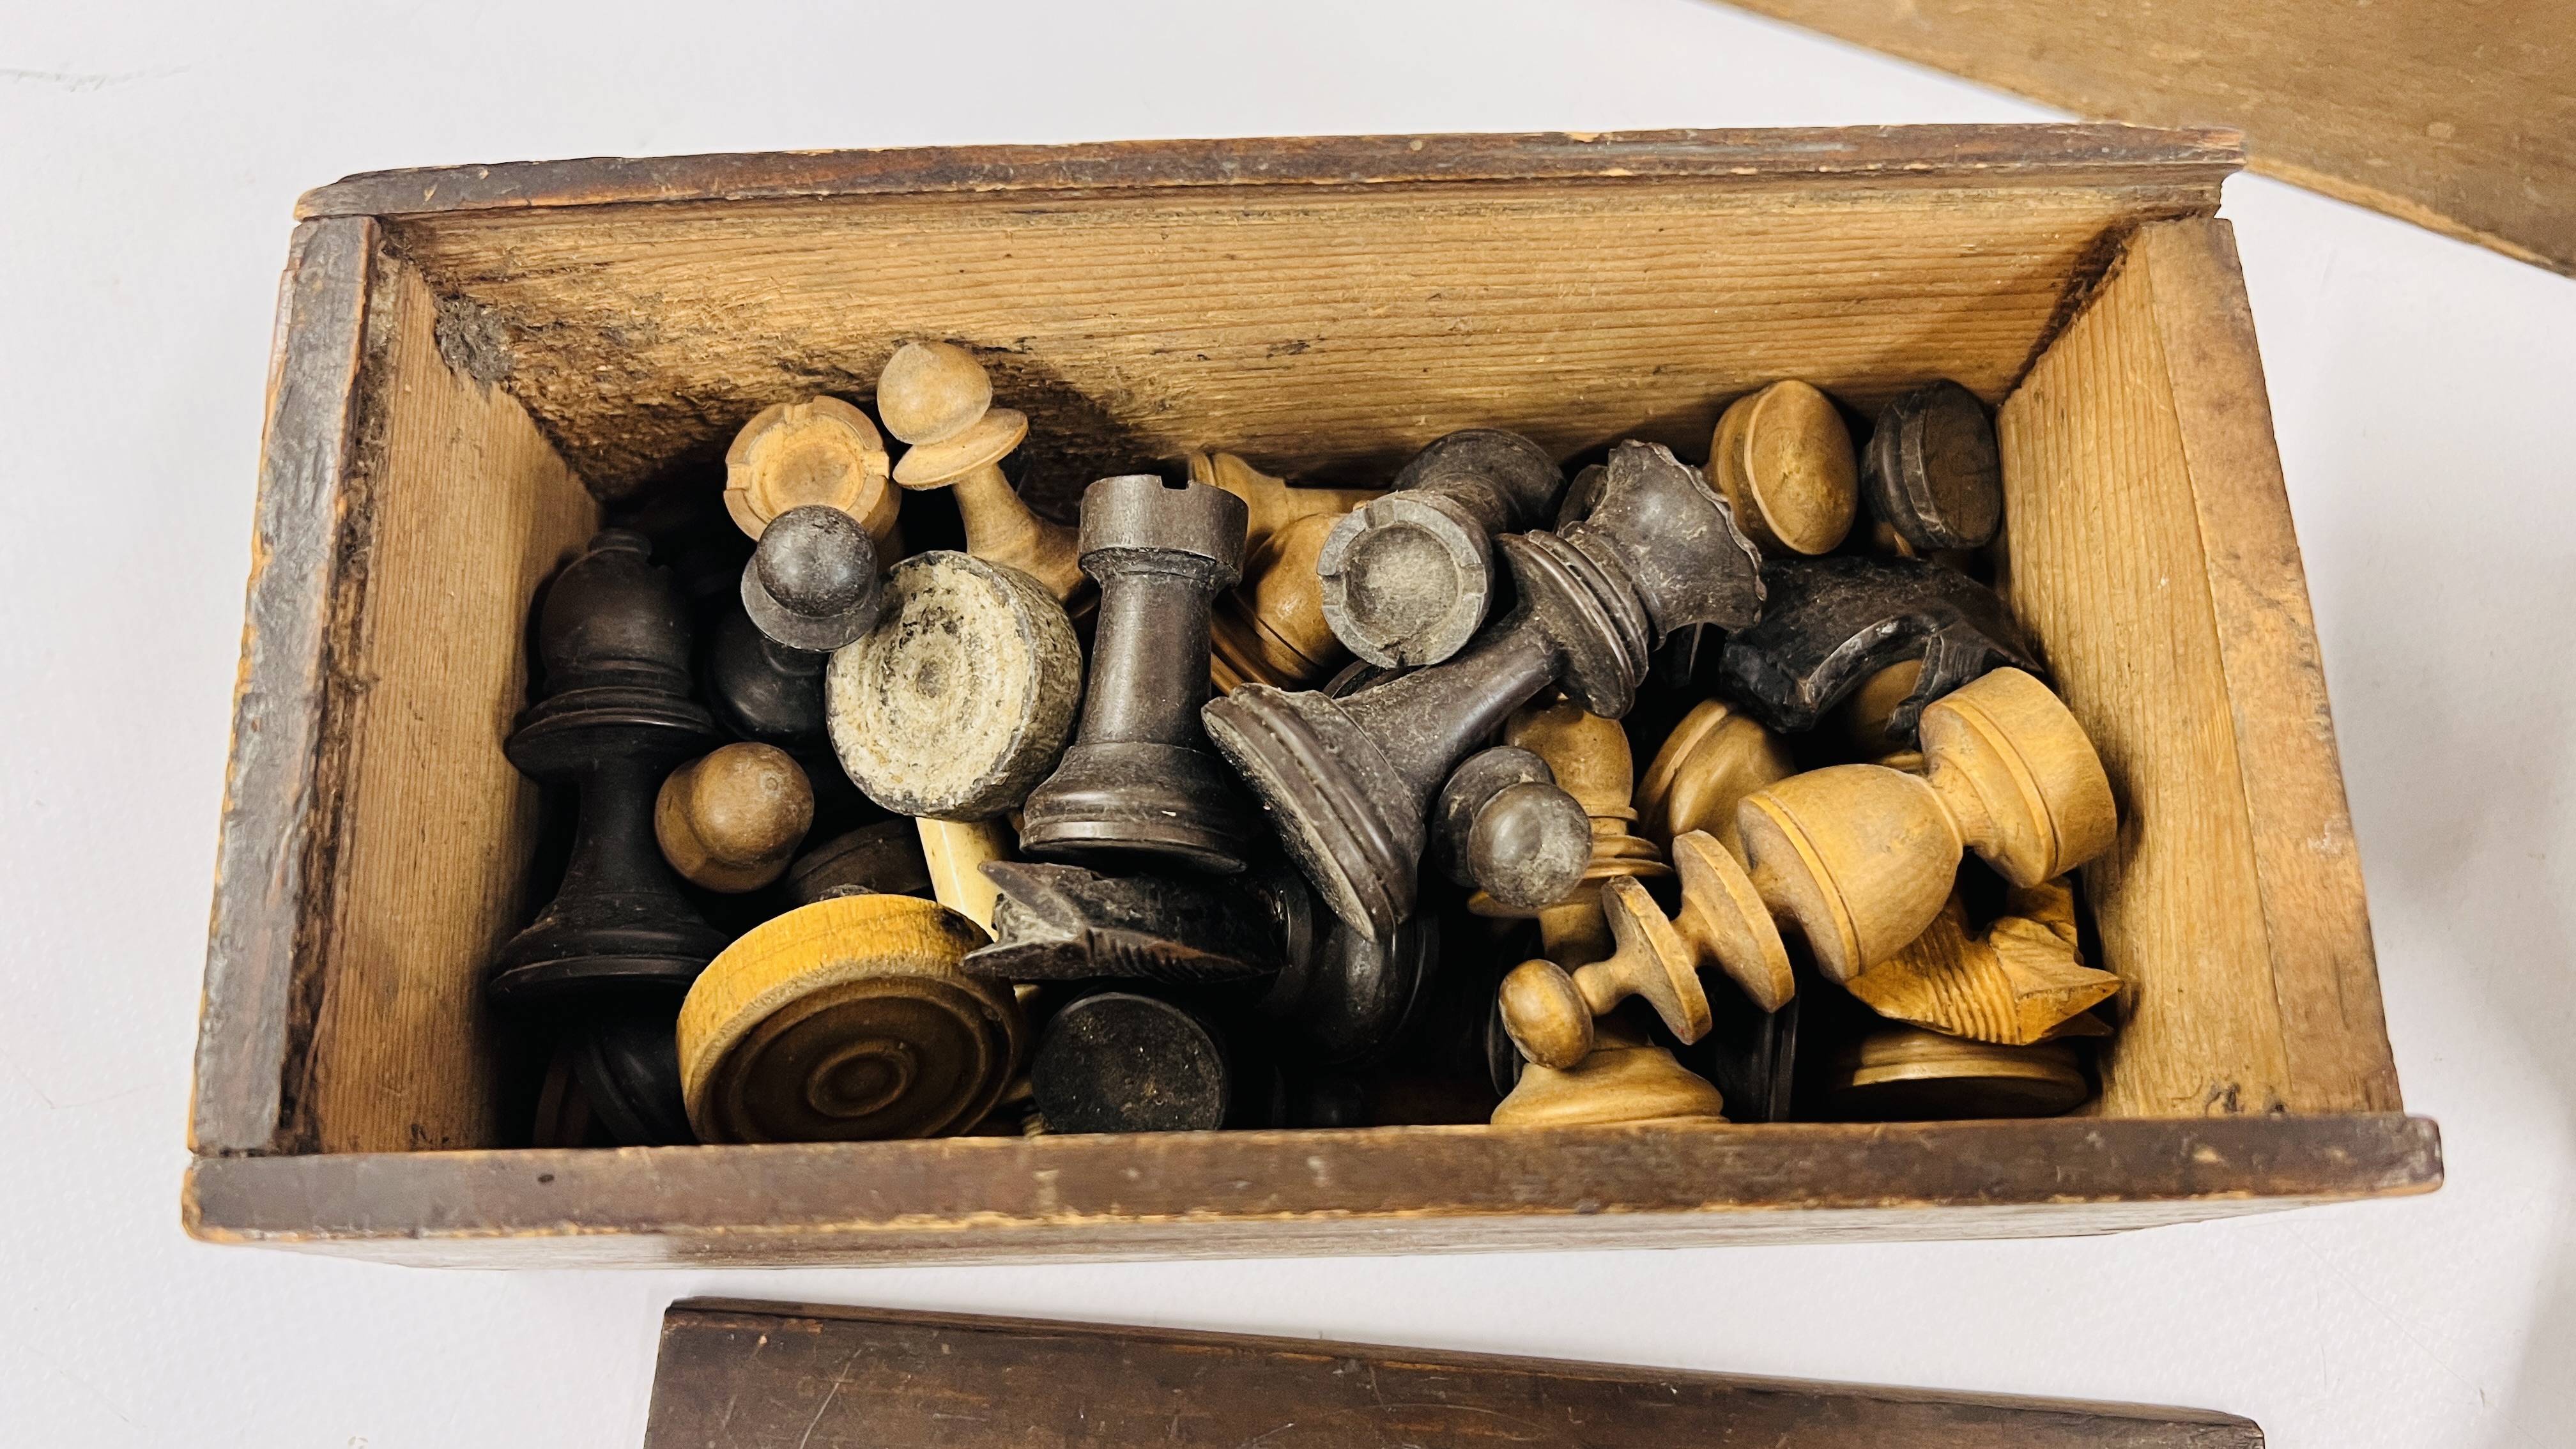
(1242, 804)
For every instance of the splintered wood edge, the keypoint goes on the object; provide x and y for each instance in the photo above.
(2089, 154)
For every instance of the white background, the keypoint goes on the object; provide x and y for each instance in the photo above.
(2423, 391)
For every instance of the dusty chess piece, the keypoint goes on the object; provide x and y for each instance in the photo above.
(1932, 471)
(819, 451)
(1504, 826)
(938, 398)
(1348, 1001)
(884, 858)
(1907, 1074)
(961, 697)
(1270, 504)
(1863, 857)
(731, 820)
(1349, 781)
(1121, 1061)
(1270, 629)
(1831, 625)
(1783, 461)
(1590, 758)
(1625, 1078)
(812, 582)
(955, 852)
(847, 1020)
(1065, 923)
(1548, 1010)
(1407, 577)
(2022, 980)
(1715, 757)
(1140, 783)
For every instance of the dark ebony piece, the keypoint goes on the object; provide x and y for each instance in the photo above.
(1932, 472)
(1350, 1000)
(1503, 825)
(628, 1062)
(1828, 624)
(1139, 780)
(1118, 1061)
(1349, 782)
(883, 859)
(1749, 1055)
(616, 717)
(812, 583)
(1065, 923)
(767, 691)
(1407, 577)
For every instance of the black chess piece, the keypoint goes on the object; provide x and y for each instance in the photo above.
(1125, 1061)
(1139, 782)
(1066, 923)
(1407, 577)
(1349, 1000)
(1504, 826)
(1349, 781)
(1932, 471)
(812, 581)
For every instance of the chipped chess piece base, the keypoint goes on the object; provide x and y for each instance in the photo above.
(1407, 577)
(1932, 471)
(885, 858)
(731, 820)
(1862, 857)
(846, 1020)
(2019, 982)
(955, 852)
(1270, 629)
(1504, 826)
(1907, 1074)
(1715, 757)
(819, 451)
(1270, 505)
(1625, 1078)
(961, 698)
(936, 397)
(1548, 1010)
(1117, 1061)
(1783, 461)
(1065, 923)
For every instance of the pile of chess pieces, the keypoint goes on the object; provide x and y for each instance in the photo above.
(1249, 805)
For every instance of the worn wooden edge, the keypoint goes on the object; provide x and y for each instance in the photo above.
(280, 690)
(1345, 1191)
(710, 1321)
(2092, 154)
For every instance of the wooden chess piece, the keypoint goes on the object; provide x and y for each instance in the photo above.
(1625, 1078)
(1829, 625)
(819, 451)
(1932, 471)
(629, 1069)
(1349, 781)
(731, 820)
(1864, 724)
(884, 858)
(1504, 826)
(1783, 461)
(1907, 1074)
(1715, 757)
(1065, 923)
(961, 697)
(955, 852)
(764, 690)
(1349, 1000)
(812, 581)
(1121, 1061)
(1590, 758)
(1270, 629)
(1407, 577)
(1140, 782)
(1862, 857)
(1269, 503)
(1548, 1010)
(936, 397)
(847, 1020)
(2022, 980)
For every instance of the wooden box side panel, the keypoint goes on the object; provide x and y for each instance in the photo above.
(459, 509)
(2152, 557)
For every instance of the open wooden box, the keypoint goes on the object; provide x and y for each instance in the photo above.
(461, 351)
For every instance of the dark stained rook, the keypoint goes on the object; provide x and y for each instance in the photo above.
(1932, 471)
(1407, 577)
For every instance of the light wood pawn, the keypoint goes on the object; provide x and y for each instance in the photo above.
(1624, 1078)
(2018, 982)
(1784, 462)
(731, 820)
(1714, 758)
(821, 450)
(936, 397)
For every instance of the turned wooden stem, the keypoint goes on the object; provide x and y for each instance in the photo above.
(955, 851)
(1001, 528)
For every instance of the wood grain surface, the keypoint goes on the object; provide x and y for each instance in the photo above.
(2458, 115)
(735, 1375)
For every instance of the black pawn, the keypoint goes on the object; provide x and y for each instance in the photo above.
(812, 583)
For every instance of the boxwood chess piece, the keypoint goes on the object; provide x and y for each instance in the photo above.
(1407, 577)
(1349, 781)
(730, 821)
(2019, 981)
(1907, 1074)
(1932, 472)
(1715, 757)
(819, 451)
(1783, 460)
(938, 398)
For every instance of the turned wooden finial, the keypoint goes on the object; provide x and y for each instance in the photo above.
(1714, 758)
(731, 820)
(1862, 857)
(2020, 981)
(1269, 503)
(938, 398)
(1548, 1010)
(821, 450)
(1783, 461)
(1625, 1078)
(1270, 629)
(1590, 758)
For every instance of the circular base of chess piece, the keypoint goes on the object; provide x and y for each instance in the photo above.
(1150, 804)
(812, 582)
(1624, 1079)
(598, 939)
(730, 821)
(629, 1071)
(1715, 757)
(962, 696)
(1323, 778)
(821, 451)
(1784, 462)
(1932, 470)
(846, 1021)
(1119, 1062)
(1406, 579)
(1907, 1074)
(1351, 999)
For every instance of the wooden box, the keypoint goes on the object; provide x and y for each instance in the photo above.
(467, 358)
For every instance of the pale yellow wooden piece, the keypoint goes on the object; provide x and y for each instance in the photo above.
(1625, 1079)
(1548, 1011)
(1270, 629)
(2016, 983)
(937, 397)
(1269, 503)
(731, 820)
(1859, 723)
(1591, 760)
(1783, 461)
(1715, 757)
(819, 451)
(1725, 924)
(930, 392)
(2016, 772)
(1905, 1073)
(955, 851)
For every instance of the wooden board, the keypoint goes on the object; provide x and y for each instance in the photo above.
(735, 1375)
(2458, 115)
(2153, 559)
(1338, 1193)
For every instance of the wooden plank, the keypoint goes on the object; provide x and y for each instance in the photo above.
(2153, 558)
(278, 696)
(735, 1375)
(2458, 115)
(1231, 1194)
(1994, 155)
(457, 510)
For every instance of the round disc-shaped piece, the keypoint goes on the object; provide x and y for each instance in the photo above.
(821, 451)
(1907, 1074)
(1784, 461)
(730, 820)
(930, 391)
(1119, 1062)
(846, 1021)
(883, 858)
(1406, 579)
(986, 441)
(812, 583)
(1723, 918)
(1933, 472)
(962, 696)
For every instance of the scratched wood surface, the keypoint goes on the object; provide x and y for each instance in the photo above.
(737, 1375)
